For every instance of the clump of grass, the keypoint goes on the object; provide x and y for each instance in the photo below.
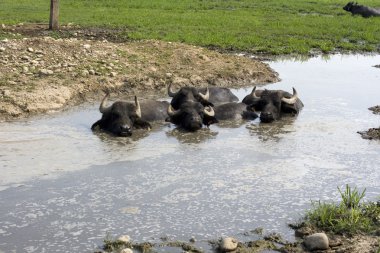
(350, 216)
(351, 198)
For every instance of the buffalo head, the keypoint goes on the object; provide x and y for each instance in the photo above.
(349, 6)
(121, 117)
(186, 94)
(273, 103)
(191, 116)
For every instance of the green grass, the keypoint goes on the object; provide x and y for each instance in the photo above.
(350, 216)
(273, 26)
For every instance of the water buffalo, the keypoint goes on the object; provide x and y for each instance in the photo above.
(188, 94)
(364, 11)
(234, 111)
(207, 96)
(191, 116)
(122, 117)
(273, 103)
(219, 95)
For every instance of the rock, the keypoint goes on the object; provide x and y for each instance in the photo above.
(169, 75)
(3, 26)
(302, 232)
(2, 49)
(377, 66)
(126, 250)
(45, 72)
(204, 57)
(39, 52)
(192, 239)
(85, 73)
(317, 241)
(181, 81)
(87, 46)
(113, 74)
(124, 238)
(5, 40)
(228, 244)
(91, 72)
(30, 49)
(25, 58)
(195, 79)
(25, 69)
(6, 93)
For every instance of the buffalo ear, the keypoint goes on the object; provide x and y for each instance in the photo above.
(208, 120)
(97, 123)
(141, 124)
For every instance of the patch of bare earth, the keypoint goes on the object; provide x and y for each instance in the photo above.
(42, 74)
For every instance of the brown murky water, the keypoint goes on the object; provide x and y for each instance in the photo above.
(64, 188)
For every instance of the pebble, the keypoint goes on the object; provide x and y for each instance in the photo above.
(113, 74)
(3, 26)
(25, 69)
(317, 241)
(91, 72)
(25, 58)
(85, 73)
(30, 49)
(6, 93)
(124, 238)
(228, 244)
(45, 72)
(87, 46)
(127, 250)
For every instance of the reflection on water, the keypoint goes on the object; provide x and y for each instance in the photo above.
(182, 136)
(75, 186)
(274, 131)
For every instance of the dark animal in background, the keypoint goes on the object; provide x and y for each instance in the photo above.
(364, 11)
(191, 116)
(190, 109)
(234, 111)
(122, 117)
(186, 94)
(219, 95)
(273, 103)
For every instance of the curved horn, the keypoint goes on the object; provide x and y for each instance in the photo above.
(170, 92)
(205, 96)
(253, 94)
(211, 111)
(103, 108)
(138, 108)
(291, 100)
(171, 111)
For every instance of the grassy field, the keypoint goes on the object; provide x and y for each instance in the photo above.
(272, 26)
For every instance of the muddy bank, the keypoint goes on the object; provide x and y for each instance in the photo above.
(270, 242)
(372, 133)
(42, 74)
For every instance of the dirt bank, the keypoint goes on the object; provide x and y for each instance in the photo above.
(41, 74)
(372, 133)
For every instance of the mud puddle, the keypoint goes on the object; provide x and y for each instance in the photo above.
(64, 188)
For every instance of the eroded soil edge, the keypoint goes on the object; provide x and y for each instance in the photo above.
(42, 74)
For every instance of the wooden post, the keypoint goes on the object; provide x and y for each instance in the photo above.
(54, 13)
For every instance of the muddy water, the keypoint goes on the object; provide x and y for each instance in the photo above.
(64, 188)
